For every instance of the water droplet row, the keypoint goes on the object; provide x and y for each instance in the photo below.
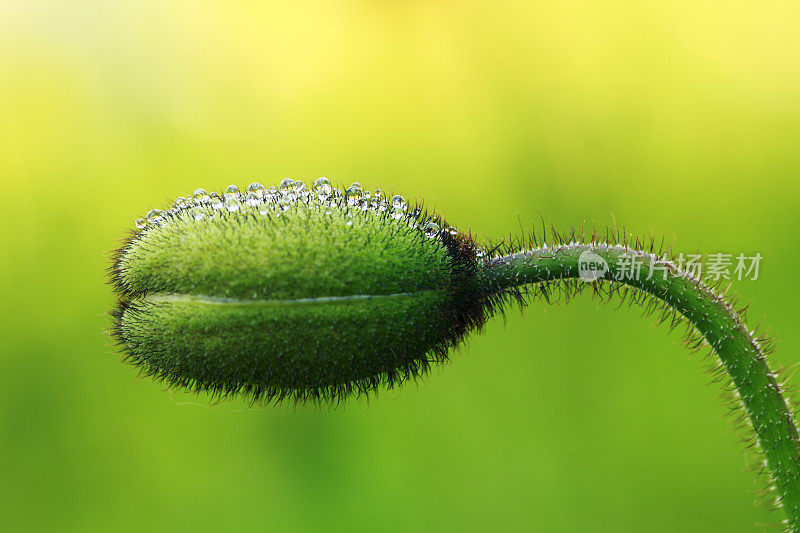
(201, 204)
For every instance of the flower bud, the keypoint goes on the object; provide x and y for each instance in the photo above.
(291, 292)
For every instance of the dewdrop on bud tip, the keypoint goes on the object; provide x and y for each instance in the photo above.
(154, 216)
(255, 188)
(323, 188)
(200, 196)
(232, 192)
(431, 230)
(255, 193)
(353, 193)
(287, 189)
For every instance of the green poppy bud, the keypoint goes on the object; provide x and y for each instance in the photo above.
(289, 292)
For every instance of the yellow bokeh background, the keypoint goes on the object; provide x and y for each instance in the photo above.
(679, 119)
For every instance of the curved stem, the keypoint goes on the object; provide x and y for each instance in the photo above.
(716, 320)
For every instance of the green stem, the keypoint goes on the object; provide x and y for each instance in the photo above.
(716, 320)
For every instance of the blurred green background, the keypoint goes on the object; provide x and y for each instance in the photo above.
(681, 119)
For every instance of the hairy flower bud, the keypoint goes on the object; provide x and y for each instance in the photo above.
(291, 292)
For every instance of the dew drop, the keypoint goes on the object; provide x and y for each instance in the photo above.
(200, 196)
(431, 230)
(140, 223)
(216, 201)
(353, 193)
(232, 192)
(288, 189)
(287, 185)
(263, 208)
(180, 202)
(256, 188)
(255, 192)
(398, 206)
(198, 212)
(154, 215)
(323, 188)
